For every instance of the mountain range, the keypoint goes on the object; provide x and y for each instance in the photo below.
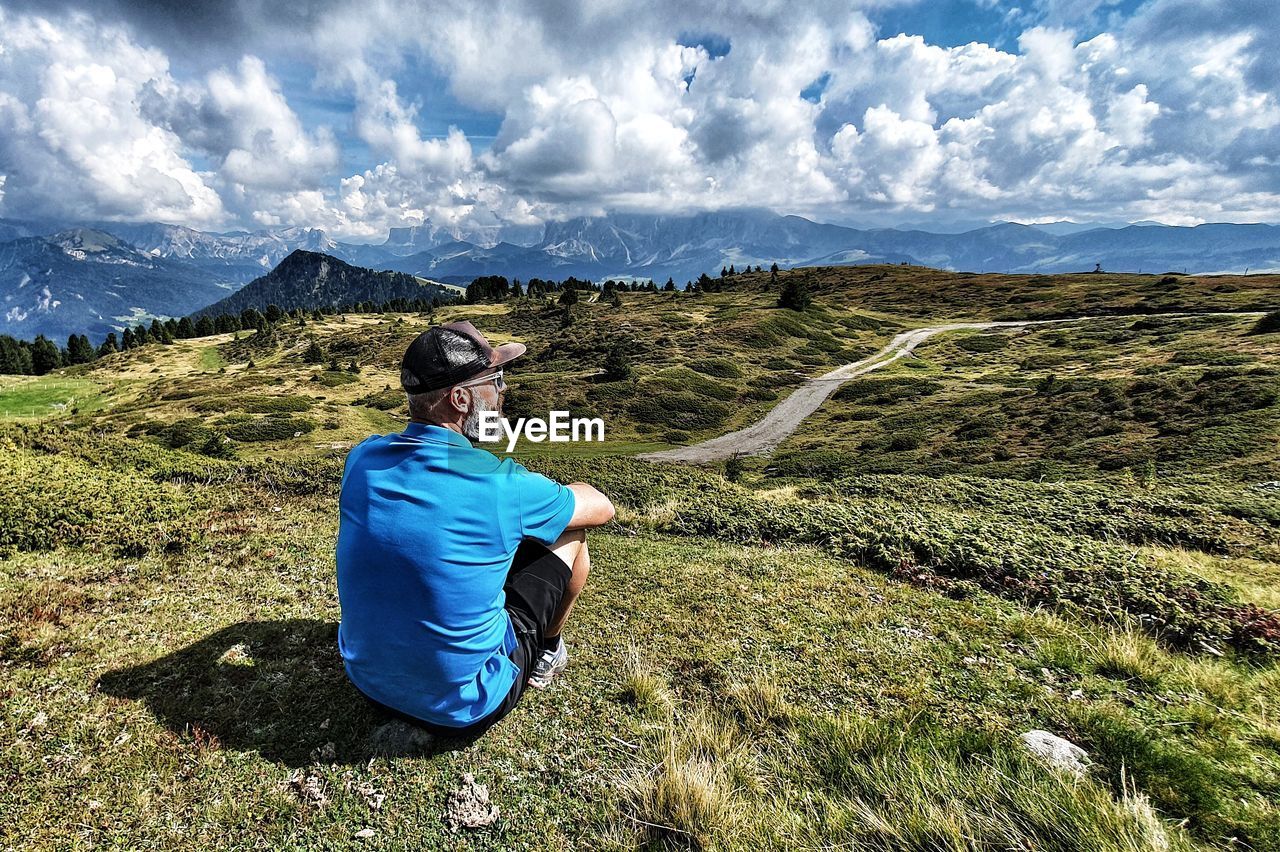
(58, 278)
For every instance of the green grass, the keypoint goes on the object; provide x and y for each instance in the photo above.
(211, 359)
(837, 650)
(26, 397)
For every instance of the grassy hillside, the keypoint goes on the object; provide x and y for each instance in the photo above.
(1073, 528)
(1153, 396)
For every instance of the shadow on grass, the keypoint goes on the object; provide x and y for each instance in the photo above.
(274, 687)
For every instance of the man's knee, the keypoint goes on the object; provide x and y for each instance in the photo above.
(571, 536)
(570, 545)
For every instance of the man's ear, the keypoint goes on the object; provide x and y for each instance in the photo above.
(460, 399)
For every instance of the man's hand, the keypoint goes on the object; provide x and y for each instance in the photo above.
(590, 507)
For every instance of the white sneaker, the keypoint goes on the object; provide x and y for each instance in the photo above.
(548, 665)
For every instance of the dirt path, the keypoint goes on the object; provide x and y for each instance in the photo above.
(761, 437)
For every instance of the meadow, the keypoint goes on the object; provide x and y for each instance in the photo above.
(1073, 528)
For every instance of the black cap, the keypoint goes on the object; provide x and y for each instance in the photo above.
(426, 365)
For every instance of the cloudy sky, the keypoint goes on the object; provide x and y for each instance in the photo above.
(357, 116)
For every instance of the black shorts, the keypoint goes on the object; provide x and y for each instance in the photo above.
(535, 587)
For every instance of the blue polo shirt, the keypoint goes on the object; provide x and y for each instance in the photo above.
(428, 529)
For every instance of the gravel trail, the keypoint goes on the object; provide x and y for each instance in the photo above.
(783, 419)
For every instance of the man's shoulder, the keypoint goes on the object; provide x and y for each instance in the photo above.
(436, 456)
(364, 446)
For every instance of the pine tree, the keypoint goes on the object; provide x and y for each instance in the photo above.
(314, 353)
(109, 345)
(44, 355)
(795, 294)
(15, 356)
(217, 447)
(159, 333)
(670, 286)
(205, 327)
(79, 349)
(617, 366)
(252, 318)
(569, 296)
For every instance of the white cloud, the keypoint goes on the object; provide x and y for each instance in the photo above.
(390, 129)
(268, 146)
(1171, 114)
(78, 144)
(1129, 115)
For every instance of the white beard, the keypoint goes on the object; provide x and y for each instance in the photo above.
(471, 426)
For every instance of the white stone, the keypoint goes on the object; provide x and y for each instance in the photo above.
(1060, 753)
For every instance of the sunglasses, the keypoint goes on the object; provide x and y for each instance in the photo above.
(499, 383)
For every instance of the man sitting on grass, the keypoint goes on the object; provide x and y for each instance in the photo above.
(456, 570)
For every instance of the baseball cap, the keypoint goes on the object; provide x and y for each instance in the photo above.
(445, 355)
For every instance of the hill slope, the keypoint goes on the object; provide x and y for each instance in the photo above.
(1072, 530)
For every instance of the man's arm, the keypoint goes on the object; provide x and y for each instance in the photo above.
(590, 507)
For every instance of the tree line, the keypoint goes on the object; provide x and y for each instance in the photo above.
(40, 356)
(498, 288)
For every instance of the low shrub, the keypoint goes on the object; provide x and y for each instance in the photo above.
(686, 380)
(1211, 358)
(907, 440)
(334, 378)
(816, 464)
(270, 428)
(680, 410)
(721, 368)
(1019, 561)
(948, 549)
(886, 391)
(50, 501)
(383, 400)
(983, 342)
(181, 433)
(255, 404)
(1269, 324)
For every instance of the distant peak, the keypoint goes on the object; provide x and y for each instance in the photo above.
(305, 257)
(86, 240)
